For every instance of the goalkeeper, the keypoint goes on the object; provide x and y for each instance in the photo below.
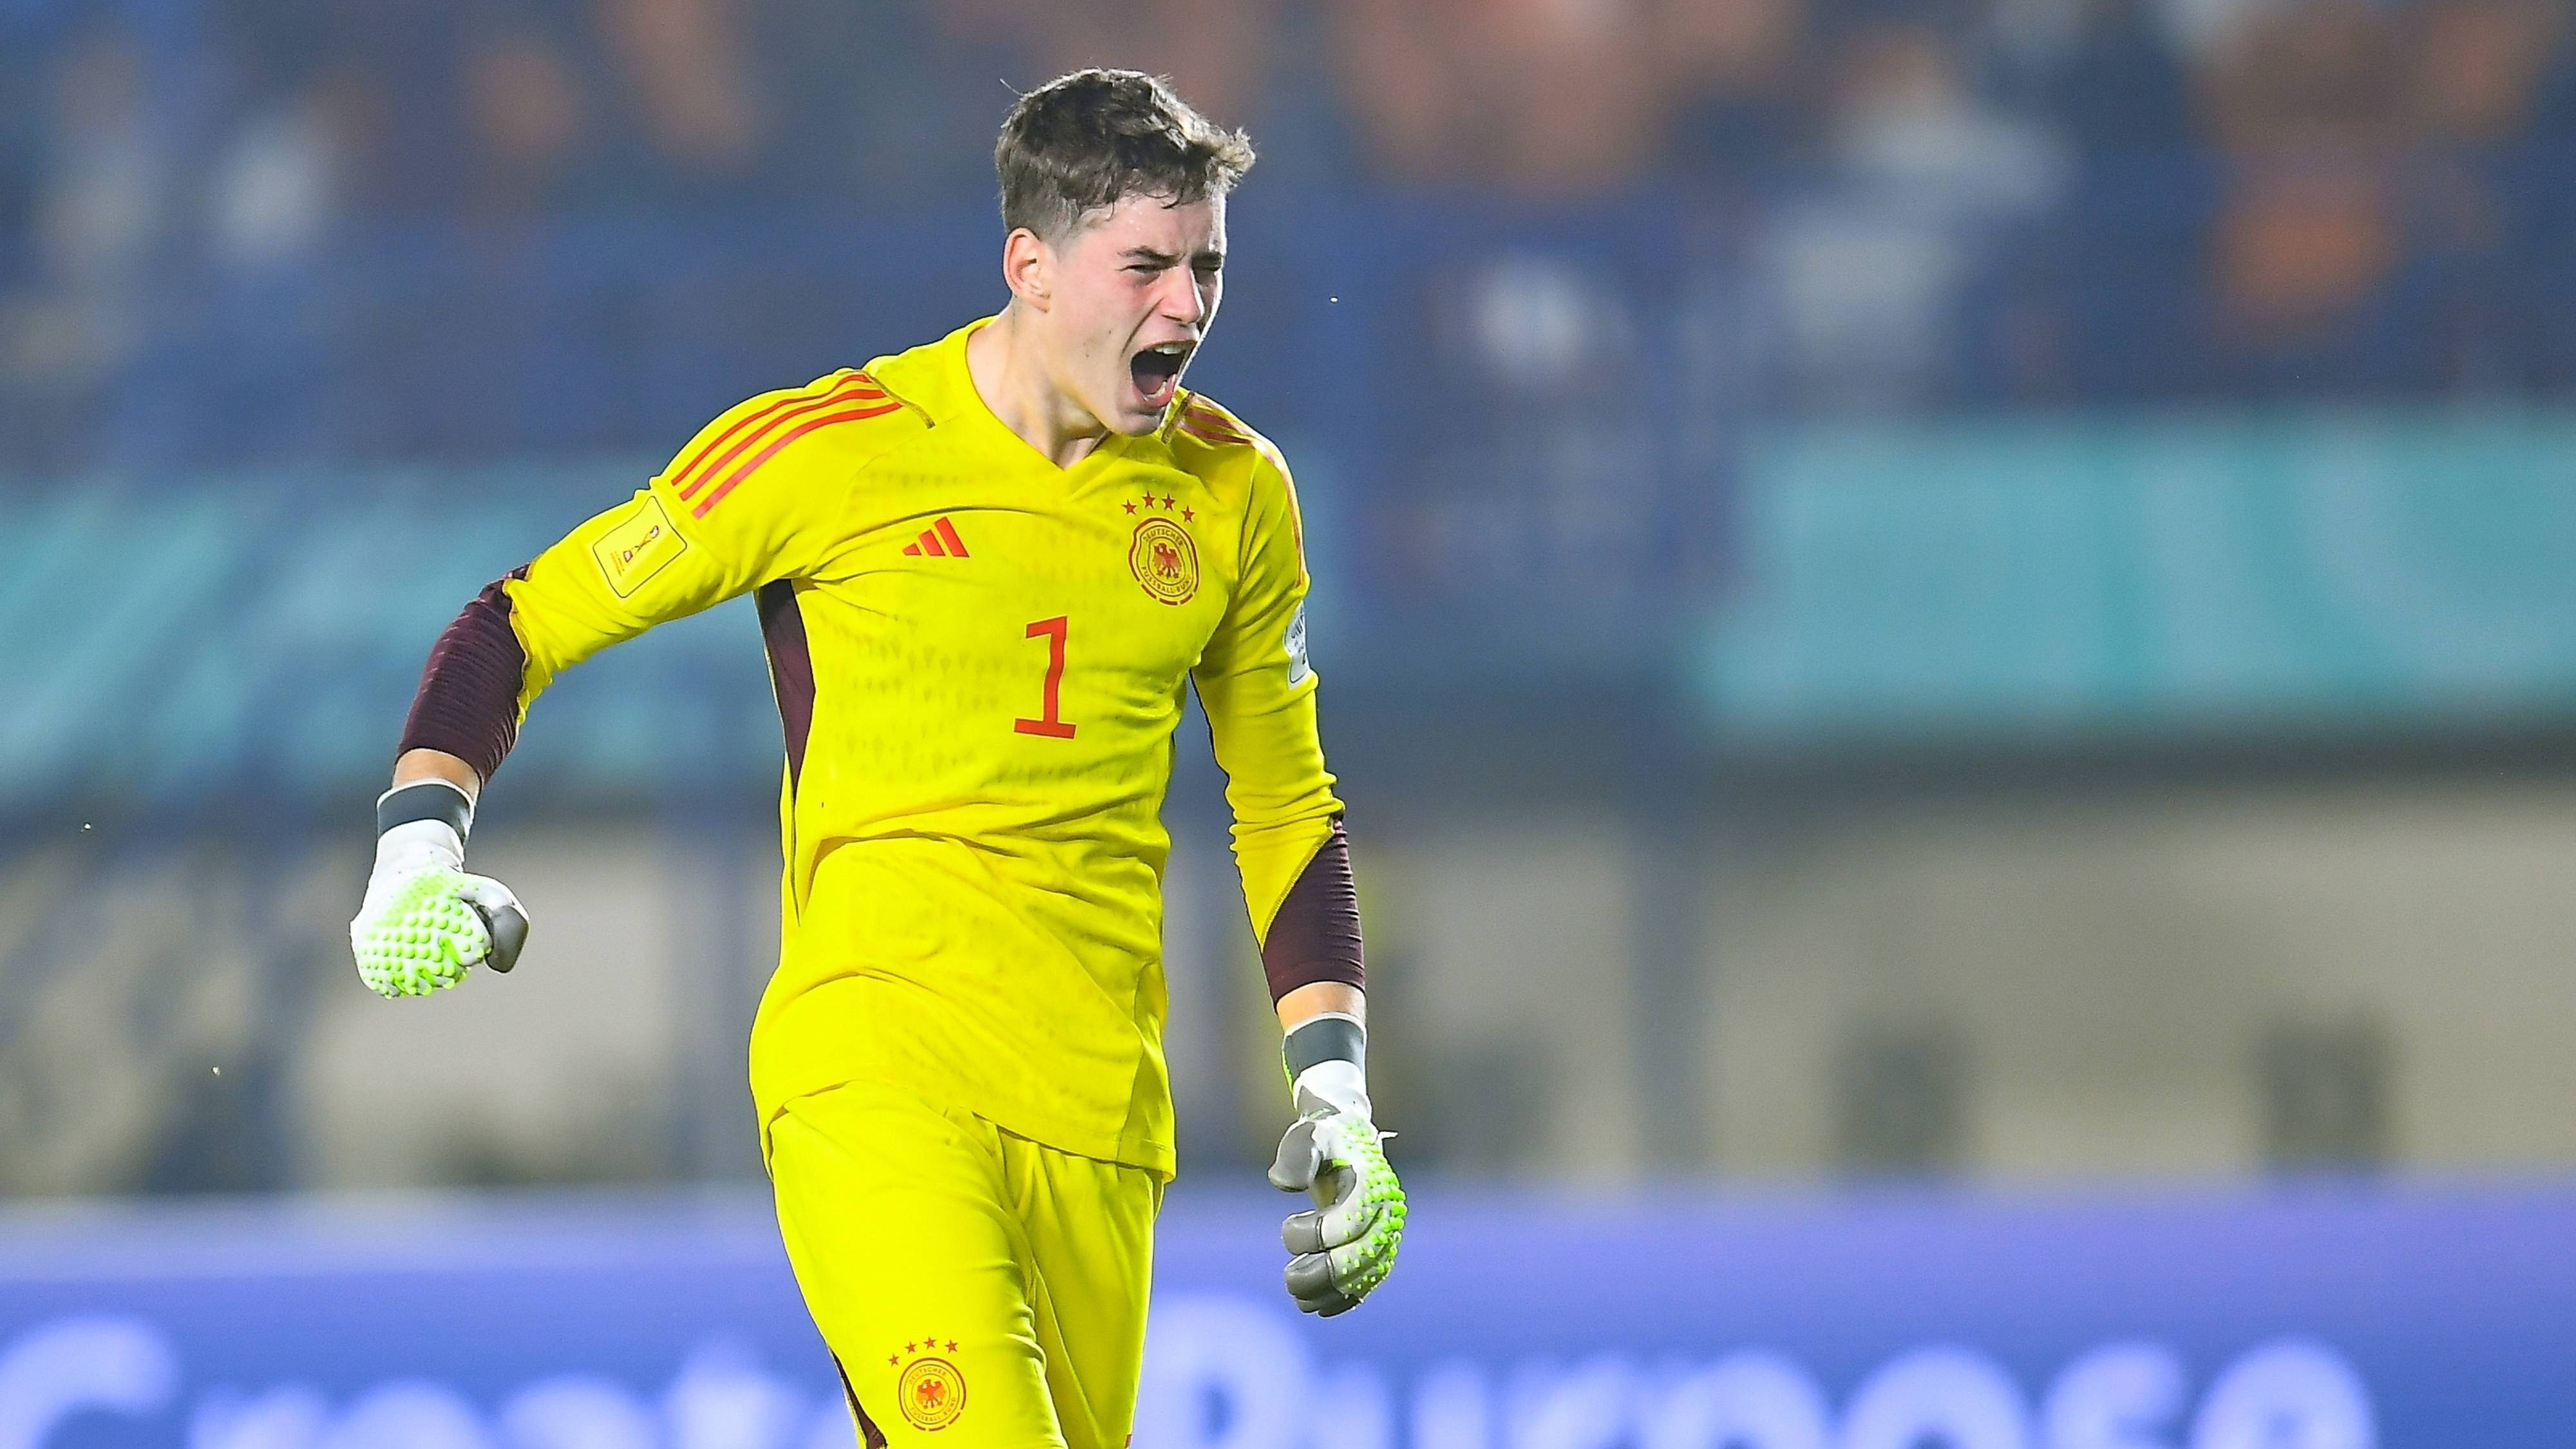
(987, 570)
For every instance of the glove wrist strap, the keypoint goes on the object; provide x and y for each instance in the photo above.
(1332, 1036)
(1327, 1061)
(441, 800)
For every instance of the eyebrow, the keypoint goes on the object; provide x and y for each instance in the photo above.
(1165, 259)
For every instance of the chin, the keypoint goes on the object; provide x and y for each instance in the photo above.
(1134, 417)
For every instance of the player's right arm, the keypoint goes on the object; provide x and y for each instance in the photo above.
(730, 513)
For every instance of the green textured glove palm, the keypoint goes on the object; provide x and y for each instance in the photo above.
(425, 923)
(428, 930)
(1344, 1246)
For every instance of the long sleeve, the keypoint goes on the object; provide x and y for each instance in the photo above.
(1259, 694)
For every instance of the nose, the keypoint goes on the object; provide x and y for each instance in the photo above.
(1185, 299)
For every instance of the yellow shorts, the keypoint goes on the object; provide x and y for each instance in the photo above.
(977, 1288)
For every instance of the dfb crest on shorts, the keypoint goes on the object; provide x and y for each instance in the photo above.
(930, 1392)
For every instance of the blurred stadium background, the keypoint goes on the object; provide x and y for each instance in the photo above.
(1950, 625)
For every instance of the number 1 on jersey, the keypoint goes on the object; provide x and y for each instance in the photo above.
(1049, 722)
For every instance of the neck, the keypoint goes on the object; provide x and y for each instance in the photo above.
(1009, 372)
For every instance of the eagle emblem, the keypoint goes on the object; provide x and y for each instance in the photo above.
(1164, 561)
(932, 1393)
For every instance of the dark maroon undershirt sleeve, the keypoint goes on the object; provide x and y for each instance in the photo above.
(468, 704)
(1316, 935)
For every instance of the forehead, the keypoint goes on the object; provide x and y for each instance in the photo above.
(1156, 224)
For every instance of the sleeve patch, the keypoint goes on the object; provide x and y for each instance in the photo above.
(1297, 670)
(638, 546)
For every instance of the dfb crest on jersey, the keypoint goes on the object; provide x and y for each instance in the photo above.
(1164, 560)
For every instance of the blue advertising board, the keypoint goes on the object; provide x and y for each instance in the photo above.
(2324, 1319)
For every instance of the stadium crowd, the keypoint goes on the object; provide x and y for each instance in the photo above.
(1953, 201)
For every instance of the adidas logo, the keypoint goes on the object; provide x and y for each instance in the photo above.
(940, 540)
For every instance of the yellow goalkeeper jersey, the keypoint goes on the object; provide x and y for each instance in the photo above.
(979, 658)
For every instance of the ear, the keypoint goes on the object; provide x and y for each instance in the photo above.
(1028, 268)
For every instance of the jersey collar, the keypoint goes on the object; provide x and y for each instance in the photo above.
(936, 378)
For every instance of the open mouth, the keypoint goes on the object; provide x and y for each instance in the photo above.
(1157, 370)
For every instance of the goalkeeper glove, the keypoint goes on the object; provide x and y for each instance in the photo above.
(1344, 1245)
(425, 922)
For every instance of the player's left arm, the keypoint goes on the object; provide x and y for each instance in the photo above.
(1294, 855)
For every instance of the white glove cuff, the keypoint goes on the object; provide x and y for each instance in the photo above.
(1336, 1086)
(420, 845)
(1327, 1060)
(421, 825)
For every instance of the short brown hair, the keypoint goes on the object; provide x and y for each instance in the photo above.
(1078, 144)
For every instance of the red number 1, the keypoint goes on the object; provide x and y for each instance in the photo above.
(1049, 723)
